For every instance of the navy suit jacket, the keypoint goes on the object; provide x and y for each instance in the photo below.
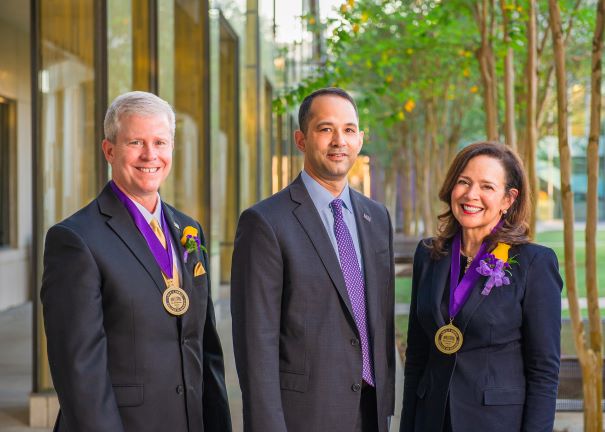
(119, 361)
(505, 376)
(296, 344)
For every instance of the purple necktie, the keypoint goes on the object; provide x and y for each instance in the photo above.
(355, 286)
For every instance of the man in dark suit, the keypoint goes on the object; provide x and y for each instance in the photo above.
(312, 290)
(132, 343)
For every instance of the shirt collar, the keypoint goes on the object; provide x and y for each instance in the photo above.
(321, 197)
(157, 213)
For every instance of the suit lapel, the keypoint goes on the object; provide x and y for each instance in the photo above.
(175, 230)
(363, 221)
(472, 303)
(307, 216)
(122, 224)
(441, 272)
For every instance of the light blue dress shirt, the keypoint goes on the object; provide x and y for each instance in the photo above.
(157, 214)
(322, 198)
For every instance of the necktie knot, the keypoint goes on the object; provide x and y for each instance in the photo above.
(336, 206)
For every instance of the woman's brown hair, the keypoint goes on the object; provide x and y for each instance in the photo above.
(515, 229)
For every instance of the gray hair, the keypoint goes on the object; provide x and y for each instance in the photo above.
(139, 103)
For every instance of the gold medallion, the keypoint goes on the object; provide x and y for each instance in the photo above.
(176, 301)
(448, 339)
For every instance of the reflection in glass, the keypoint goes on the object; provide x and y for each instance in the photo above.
(7, 170)
(119, 47)
(182, 69)
(66, 93)
(229, 142)
(67, 151)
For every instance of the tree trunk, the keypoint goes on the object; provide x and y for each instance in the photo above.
(390, 189)
(586, 356)
(531, 128)
(592, 201)
(405, 186)
(510, 134)
(419, 177)
(427, 197)
(483, 13)
(549, 74)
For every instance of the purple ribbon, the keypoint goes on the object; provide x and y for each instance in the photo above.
(459, 292)
(162, 256)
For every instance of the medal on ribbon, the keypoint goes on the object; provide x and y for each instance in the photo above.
(448, 338)
(174, 298)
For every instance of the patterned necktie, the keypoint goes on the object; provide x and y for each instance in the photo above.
(349, 266)
(155, 226)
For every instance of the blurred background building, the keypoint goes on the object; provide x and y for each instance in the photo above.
(219, 63)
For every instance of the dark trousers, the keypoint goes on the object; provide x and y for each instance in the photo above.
(367, 419)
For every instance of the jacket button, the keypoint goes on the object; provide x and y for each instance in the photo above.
(356, 387)
(355, 342)
(179, 389)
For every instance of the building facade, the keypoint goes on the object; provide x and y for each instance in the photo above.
(62, 61)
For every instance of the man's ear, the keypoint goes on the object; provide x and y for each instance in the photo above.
(299, 139)
(108, 149)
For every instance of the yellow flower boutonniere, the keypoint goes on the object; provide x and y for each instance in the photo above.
(501, 252)
(191, 242)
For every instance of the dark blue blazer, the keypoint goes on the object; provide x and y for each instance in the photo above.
(295, 340)
(505, 376)
(119, 361)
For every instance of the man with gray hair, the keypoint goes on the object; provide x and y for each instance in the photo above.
(132, 342)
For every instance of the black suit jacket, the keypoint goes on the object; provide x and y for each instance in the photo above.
(119, 361)
(505, 376)
(296, 343)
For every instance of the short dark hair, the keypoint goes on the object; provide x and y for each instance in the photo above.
(515, 229)
(304, 112)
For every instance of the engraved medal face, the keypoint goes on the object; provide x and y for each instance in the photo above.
(176, 301)
(448, 339)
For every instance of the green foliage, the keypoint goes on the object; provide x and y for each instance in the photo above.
(399, 57)
(394, 56)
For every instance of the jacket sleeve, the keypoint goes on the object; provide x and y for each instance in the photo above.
(417, 351)
(256, 293)
(77, 347)
(541, 341)
(217, 417)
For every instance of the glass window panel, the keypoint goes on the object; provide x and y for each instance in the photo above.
(183, 72)
(66, 147)
(66, 112)
(229, 141)
(268, 147)
(5, 174)
(119, 48)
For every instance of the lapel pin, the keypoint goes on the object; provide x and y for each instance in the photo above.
(367, 217)
(177, 225)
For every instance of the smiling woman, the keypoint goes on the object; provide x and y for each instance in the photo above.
(479, 198)
(485, 307)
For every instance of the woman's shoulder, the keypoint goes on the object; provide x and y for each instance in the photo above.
(533, 251)
(424, 249)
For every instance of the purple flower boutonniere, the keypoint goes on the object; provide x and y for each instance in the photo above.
(191, 242)
(496, 265)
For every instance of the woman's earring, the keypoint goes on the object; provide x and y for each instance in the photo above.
(504, 212)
